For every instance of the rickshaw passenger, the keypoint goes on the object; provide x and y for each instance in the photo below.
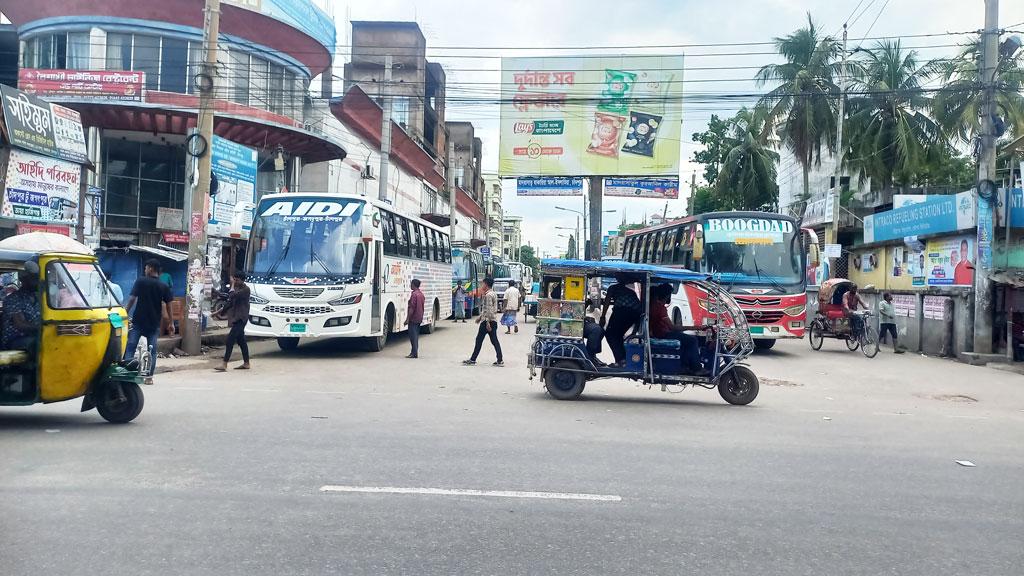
(626, 312)
(22, 315)
(592, 331)
(851, 303)
(661, 327)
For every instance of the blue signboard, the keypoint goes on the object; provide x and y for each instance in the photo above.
(1016, 207)
(231, 210)
(667, 187)
(549, 186)
(941, 214)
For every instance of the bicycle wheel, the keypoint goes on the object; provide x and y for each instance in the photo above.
(814, 335)
(852, 343)
(869, 341)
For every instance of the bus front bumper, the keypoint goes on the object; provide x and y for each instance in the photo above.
(784, 329)
(335, 324)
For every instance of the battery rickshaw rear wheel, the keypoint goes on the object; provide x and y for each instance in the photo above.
(564, 381)
(120, 408)
(738, 386)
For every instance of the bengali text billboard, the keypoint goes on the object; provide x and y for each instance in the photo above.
(591, 116)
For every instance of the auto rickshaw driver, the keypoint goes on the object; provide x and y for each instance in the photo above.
(659, 326)
(22, 315)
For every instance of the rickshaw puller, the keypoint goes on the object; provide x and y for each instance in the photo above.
(851, 303)
(661, 327)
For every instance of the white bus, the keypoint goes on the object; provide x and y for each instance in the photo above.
(339, 265)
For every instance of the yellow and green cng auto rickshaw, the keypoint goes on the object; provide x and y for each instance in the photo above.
(63, 330)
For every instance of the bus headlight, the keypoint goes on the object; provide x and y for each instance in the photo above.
(795, 310)
(346, 300)
(254, 299)
(259, 321)
(341, 321)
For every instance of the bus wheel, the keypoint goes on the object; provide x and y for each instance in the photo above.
(377, 343)
(764, 343)
(432, 327)
(288, 344)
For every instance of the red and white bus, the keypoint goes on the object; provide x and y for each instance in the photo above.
(760, 257)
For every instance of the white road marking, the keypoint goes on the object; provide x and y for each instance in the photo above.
(472, 492)
(891, 414)
(191, 388)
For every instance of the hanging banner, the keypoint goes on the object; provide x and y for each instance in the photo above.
(948, 261)
(549, 186)
(39, 126)
(590, 116)
(940, 214)
(231, 210)
(41, 189)
(108, 85)
(664, 188)
(985, 233)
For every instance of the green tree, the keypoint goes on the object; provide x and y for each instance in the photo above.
(892, 138)
(957, 104)
(623, 228)
(747, 178)
(714, 150)
(529, 257)
(706, 199)
(802, 108)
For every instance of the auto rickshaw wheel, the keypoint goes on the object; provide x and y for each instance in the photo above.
(118, 410)
(815, 336)
(739, 386)
(563, 380)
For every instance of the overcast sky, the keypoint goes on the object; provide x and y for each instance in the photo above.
(554, 23)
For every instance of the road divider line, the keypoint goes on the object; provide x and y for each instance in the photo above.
(472, 492)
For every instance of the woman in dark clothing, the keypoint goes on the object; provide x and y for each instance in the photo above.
(238, 317)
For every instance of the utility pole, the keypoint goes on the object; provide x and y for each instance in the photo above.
(385, 132)
(596, 214)
(983, 308)
(191, 338)
(452, 191)
(832, 235)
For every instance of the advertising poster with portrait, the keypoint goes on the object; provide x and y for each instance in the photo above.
(950, 261)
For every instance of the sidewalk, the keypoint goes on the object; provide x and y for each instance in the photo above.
(213, 342)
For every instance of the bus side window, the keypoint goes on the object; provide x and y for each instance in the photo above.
(434, 253)
(390, 241)
(675, 248)
(446, 250)
(402, 225)
(669, 248)
(417, 240)
(645, 258)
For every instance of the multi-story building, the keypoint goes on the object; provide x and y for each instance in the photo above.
(466, 160)
(494, 213)
(512, 237)
(132, 69)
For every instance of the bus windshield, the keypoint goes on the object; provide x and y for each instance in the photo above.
(753, 251)
(461, 265)
(308, 236)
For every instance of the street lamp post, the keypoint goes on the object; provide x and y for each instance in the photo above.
(578, 213)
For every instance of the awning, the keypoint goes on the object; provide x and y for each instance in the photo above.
(173, 255)
(1013, 278)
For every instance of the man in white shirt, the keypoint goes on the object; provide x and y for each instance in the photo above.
(512, 300)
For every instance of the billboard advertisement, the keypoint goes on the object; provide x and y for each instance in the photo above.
(232, 208)
(41, 189)
(552, 186)
(591, 116)
(941, 214)
(107, 85)
(664, 188)
(950, 261)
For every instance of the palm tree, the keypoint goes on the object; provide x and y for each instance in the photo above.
(803, 106)
(956, 106)
(891, 134)
(747, 177)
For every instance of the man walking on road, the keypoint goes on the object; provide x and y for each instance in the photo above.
(512, 301)
(887, 318)
(488, 324)
(151, 300)
(238, 317)
(415, 317)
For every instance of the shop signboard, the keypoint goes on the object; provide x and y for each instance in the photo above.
(107, 85)
(941, 214)
(819, 210)
(233, 206)
(664, 188)
(41, 189)
(49, 228)
(40, 126)
(549, 186)
(590, 116)
(950, 261)
(175, 237)
(1015, 198)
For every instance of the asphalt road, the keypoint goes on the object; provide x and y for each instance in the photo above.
(843, 465)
